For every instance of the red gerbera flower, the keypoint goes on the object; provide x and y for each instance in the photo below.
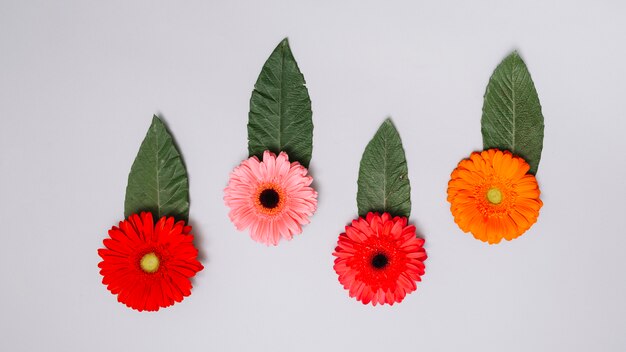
(379, 259)
(149, 266)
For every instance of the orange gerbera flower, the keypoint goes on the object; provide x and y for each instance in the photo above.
(492, 196)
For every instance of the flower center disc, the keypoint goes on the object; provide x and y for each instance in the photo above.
(380, 261)
(149, 263)
(269, 198)
(494, 196)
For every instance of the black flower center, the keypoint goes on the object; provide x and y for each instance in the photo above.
(269, 198)
(380, 261)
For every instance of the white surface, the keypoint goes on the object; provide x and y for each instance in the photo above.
(79, 82)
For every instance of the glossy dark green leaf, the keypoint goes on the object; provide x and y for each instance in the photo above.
(158, 180)
(280, 117)
(383, 175)
(512, 118)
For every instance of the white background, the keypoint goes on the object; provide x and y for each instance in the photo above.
(79, 82)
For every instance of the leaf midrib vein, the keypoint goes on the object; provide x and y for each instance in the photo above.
(386, 155)
(158, 174)
(513, 108)
(281, 99)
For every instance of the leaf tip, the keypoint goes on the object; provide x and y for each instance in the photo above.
(283, 47)
(388, 123)
(156, 120)
(515, 56)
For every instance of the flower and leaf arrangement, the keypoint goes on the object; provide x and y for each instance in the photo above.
(379, 257)
(270, 193)
(148, 260)
(494, 193)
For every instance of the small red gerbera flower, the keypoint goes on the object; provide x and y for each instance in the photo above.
(379, 259)
(149, 266)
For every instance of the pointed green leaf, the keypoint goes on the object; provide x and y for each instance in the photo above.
(280, 117)
(512, 118)
(158, 180)
(383, 175)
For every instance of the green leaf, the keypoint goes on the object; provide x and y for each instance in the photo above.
(512, 118)
(383, 175)
(280, 117)
(158, 180)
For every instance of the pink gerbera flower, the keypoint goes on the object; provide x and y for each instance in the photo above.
(272, 198)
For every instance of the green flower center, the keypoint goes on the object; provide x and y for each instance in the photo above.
(494, 196)
(149, 263)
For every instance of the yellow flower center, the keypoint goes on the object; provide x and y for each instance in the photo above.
(494, 196)
(149, 263)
